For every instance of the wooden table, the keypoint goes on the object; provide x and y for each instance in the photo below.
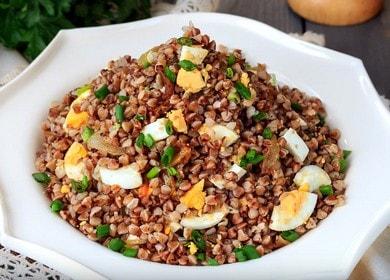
(369, 41)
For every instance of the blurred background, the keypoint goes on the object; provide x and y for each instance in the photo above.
(357, 27)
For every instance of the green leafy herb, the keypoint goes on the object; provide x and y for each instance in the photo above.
(212, 262)
(187, 65)
(169, 127)
(153, 172)
(346, 153)
(326, 190)
(240, 255)
(80, 186)
(139, 117)
(296, 107)
(102, 92)
(41, 177)
(322, 119)
(122, 98)
(267, 133)
(167, 156)
(251, 157)
(231, 59)
(201, 256)
(83, 89)
(185, 41)
(172, 171)
(229, 73)
(139, 142)
(170, 74)
(233, 96)
(87, 133)
(149, 141)
(289, 235)
(198, 238)
(243, 90)
(250, 252)
(56, 205)
(102, 231)
(260, 116)
(119, 113)
(116, 244)
(130, 252)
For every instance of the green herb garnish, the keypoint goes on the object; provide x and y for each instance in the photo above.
(231, 59)
(296, 107)
(170, 74)
(139, 117)
(116, 244)
(102, 92)
(243, 90)
(119, 113)
(167, 156)
(80, 186)
(169, 127)
(187, 65)
(229, 73)
(149, 141)
(102, 231)
(87, 133)
(185, 41)
(267, 133)
(326, 190)
(289, 235)
(153, 172)
(41, 177)
(56, 205)
(260, 116)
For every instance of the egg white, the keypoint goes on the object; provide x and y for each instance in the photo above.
(126, 177)
(157, 129)
(312, 176)
(204, 221)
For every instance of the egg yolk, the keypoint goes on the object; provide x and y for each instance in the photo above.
(178, 121)
(190, 81)
(195, 197)
(75, 153)
(291, 203)
(245, 79)
(76, 120)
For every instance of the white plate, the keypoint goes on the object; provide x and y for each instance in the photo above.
(74, 56)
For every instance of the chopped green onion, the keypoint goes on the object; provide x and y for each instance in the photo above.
(322, 119)
(267, 133)
(167, 156)
(116, 244)
(343, 165)
(231, 59)
(296, 107)
(139, 142)
(172, 171)
(187, 65)
(149, 141)
(185, 41)
(139, 117)
(130, 252)
(153, 172)
(123, 98)
(326, 190)
(80, 186)
(83, 89)
(198, 239)
(250, 252)
(169, 127)
(170, 74)
(243, 90)
(346, 153)
(102, 92)
(233, 96)
(119, 113)
(260, 116)
(229, 73)
(56, 205)
(289, 235)
(251, 157)
(102, 231)
(273, 80)
(87, 133)
(240, 255)
(41, 177)
(212, 262)
(201, 256)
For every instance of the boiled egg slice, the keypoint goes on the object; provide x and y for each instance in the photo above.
(157, 129)
(193, 54)
(219, 132)
(195, 197)
(126, 177)
(311, 177)
(204, 221)
(77, 120)
(190, 81)
(220, 182)
(295, 145)
(294, 210)
(73, 164)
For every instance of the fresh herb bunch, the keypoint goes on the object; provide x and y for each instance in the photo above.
(29, 26)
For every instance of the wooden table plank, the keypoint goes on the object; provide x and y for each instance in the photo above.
(273, 12)
(369, 41)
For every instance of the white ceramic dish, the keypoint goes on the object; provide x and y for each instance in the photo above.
(74, 56)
